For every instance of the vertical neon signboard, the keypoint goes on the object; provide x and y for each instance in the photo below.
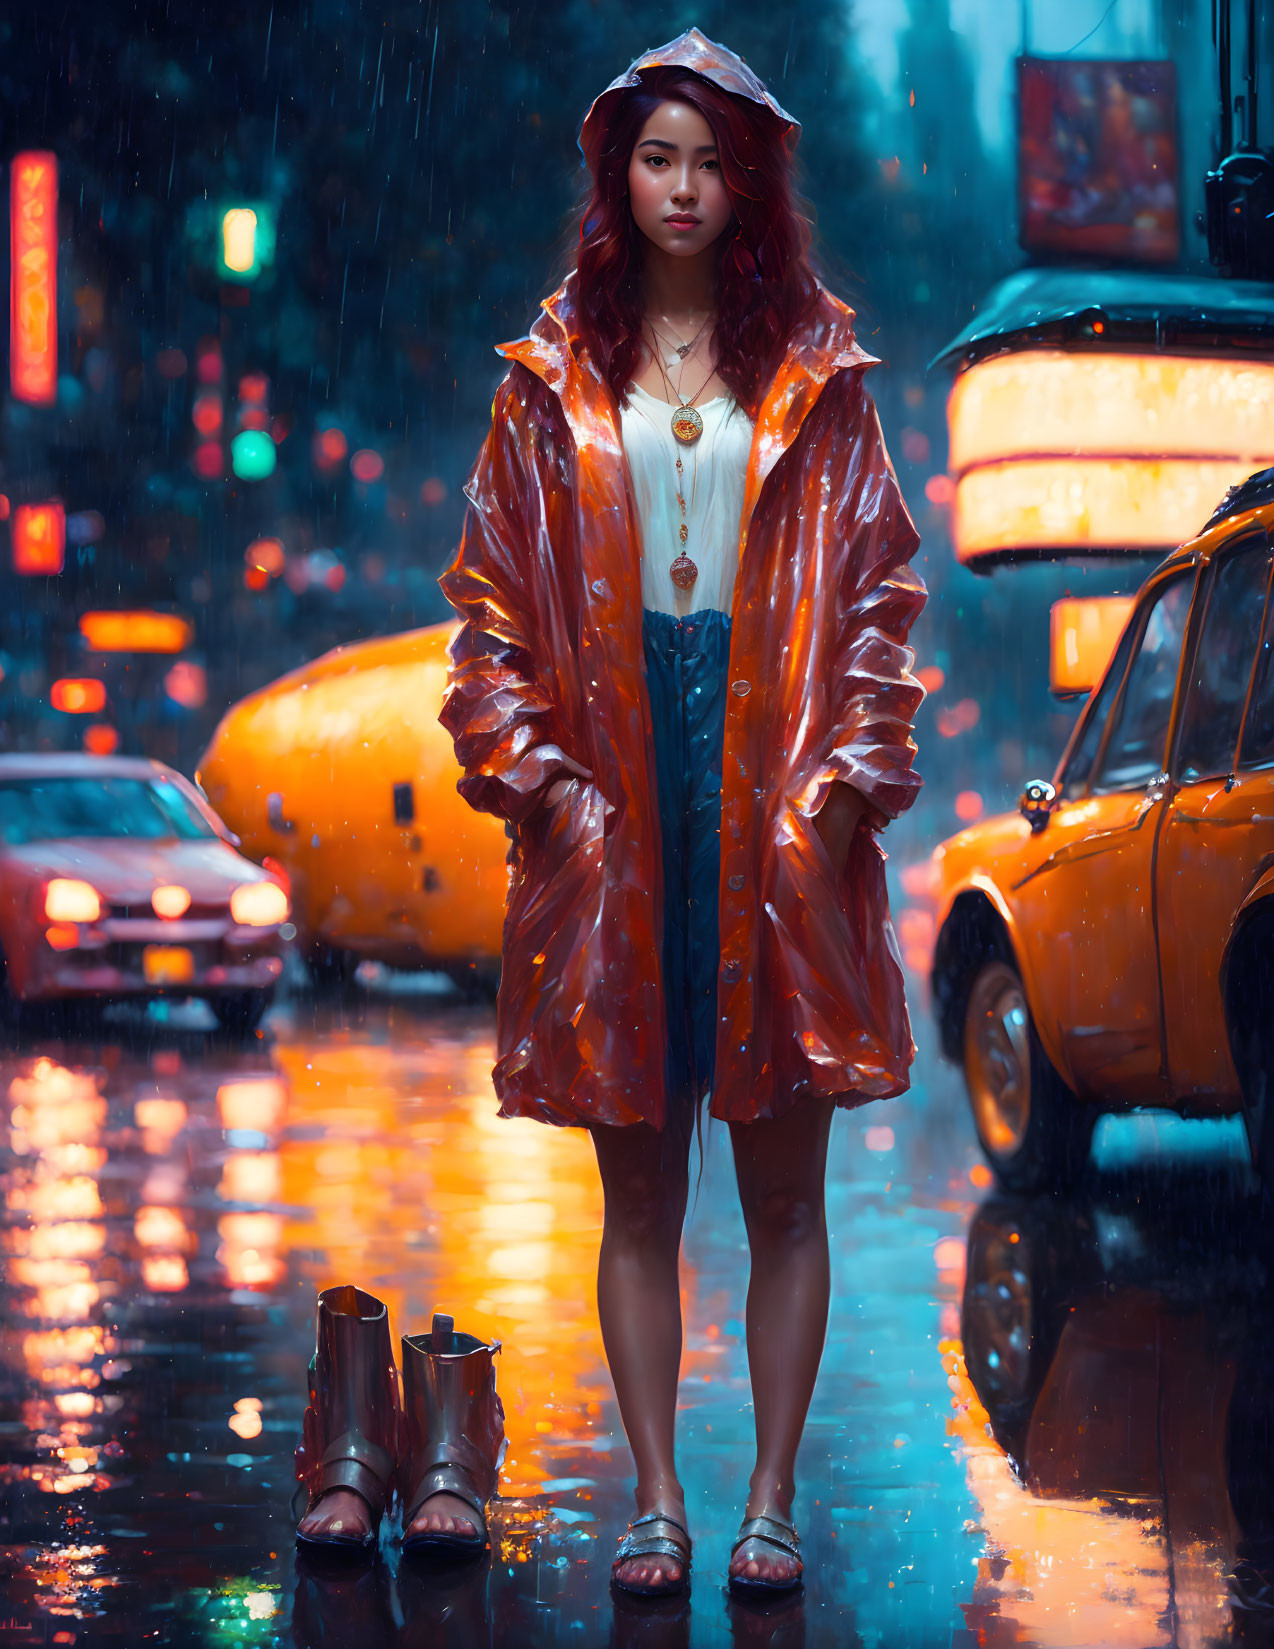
(33, 326)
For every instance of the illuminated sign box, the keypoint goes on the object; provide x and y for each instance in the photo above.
(33, 248)
(140, 631)
(39, 539)
(1061, 451)
(78, 696)
(1084, 634)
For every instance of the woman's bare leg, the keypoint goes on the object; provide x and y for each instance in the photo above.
(645, 1178)
(781, 1166)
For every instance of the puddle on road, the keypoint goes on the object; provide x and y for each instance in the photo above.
(171, 1209)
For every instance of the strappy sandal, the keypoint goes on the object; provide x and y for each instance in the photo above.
(772, 1531)
(453, 1435)
(653, 1545)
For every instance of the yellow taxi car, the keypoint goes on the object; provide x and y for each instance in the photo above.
(1111, 945)
(340, 774)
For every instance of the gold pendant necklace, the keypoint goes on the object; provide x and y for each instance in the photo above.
(683, 571)
(687, 427)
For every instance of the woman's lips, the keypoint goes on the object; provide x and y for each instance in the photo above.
(682, 222)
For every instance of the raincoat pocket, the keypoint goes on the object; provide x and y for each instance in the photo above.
(557, 888)
(819, 938)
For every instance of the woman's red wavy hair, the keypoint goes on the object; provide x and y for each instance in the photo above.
(765, 285)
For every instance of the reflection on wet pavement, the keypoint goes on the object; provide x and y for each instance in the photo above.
(1037, 1423)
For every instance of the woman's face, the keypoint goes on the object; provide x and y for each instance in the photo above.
(678, 195)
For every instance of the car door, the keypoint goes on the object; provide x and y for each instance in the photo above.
(1218, 827)
(1087, 907)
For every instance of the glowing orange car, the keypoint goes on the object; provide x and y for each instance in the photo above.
(117, 880)
(1112, 945)
(341, 773)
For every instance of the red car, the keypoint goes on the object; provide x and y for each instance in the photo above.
(118, 880)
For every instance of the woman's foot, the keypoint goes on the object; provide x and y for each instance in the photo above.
(760, 1560)
(444, 1514)
(340, 1514)
(656, 1571)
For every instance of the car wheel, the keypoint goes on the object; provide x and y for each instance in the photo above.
(331, 968)
(240, 1013)
(1034, 1131)
(1023, 1257)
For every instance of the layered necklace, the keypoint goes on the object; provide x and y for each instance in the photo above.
(678, 350)
(687, 427)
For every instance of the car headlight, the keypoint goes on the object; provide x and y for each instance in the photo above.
(259, 905)
(69, 900)
(170, 902)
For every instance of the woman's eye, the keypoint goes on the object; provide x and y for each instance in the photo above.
(657, 160)
(713, 165)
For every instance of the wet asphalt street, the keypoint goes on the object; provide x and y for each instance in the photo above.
(1036, 1423)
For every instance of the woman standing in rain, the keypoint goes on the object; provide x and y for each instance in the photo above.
(682, 677)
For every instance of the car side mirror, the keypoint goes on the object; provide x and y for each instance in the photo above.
(1037, 803)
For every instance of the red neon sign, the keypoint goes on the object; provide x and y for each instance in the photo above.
(33, 308)
(39, 539)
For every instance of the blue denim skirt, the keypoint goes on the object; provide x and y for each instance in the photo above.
(687, 662)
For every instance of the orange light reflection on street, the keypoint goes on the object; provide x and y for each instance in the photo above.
(251, 1249)
(259, 1103)
(156, 1227)
(1068, 1572)
(68, 1578)
(160, 1119)
(510, 1213)
(55, 1119)
(250, 1176)
(1058, 1572)
(164, 1273)
(246, 1422)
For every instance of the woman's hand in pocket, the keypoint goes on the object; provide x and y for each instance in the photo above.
(561, 788)
(838, 819)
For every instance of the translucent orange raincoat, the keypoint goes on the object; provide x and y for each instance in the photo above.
(548, 664)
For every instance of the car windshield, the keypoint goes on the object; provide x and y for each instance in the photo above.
(36, 810)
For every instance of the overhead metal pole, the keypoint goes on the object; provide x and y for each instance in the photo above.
(1251, 74)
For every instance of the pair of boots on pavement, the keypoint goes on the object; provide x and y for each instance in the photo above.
(445, 1436)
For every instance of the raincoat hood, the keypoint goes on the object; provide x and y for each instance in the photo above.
(694, 51)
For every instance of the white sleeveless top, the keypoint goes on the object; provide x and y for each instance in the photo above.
(714, 471)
